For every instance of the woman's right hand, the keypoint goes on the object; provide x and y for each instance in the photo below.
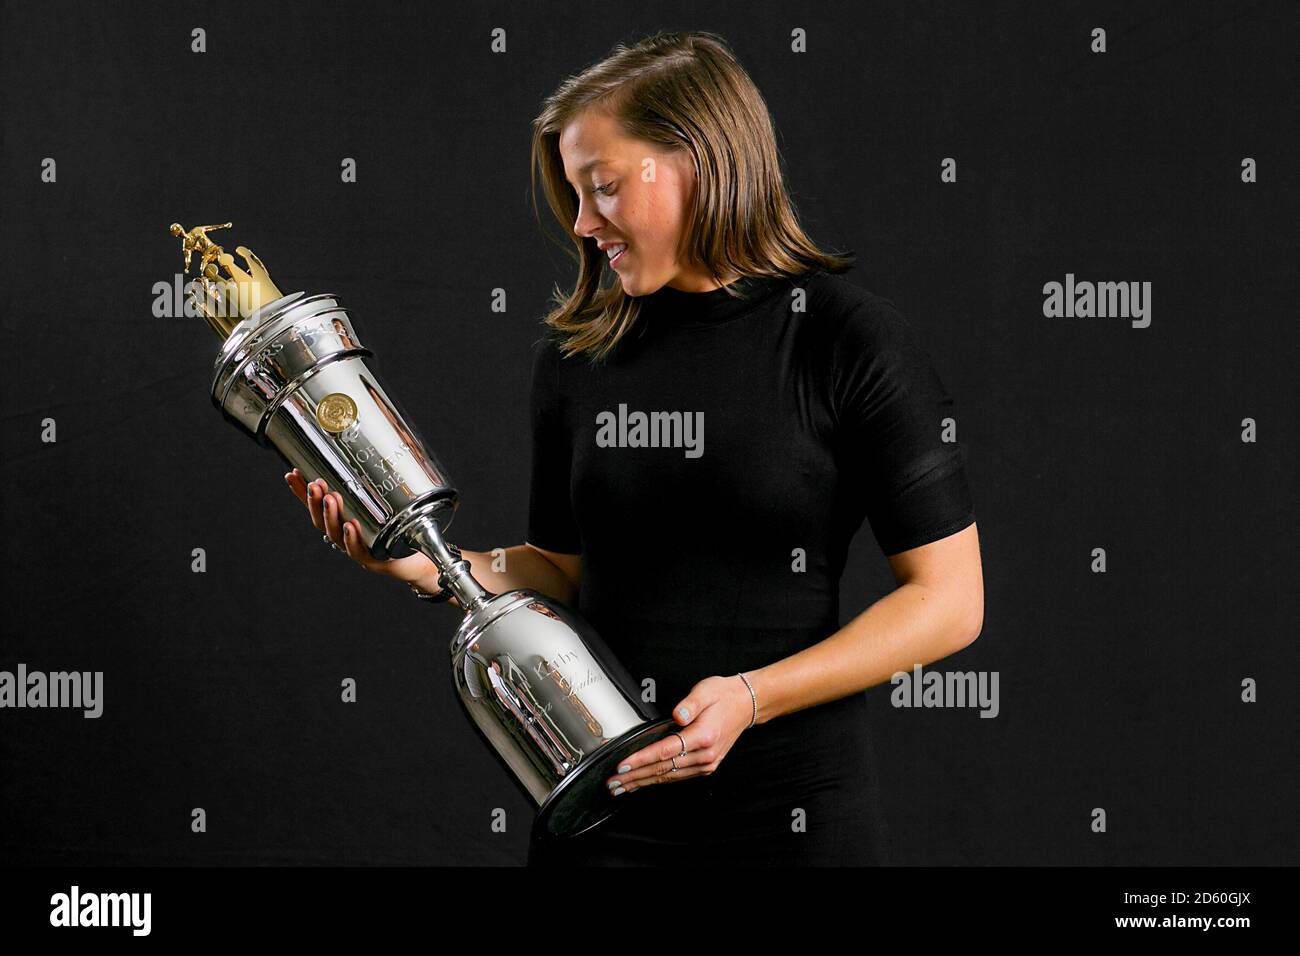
(326, 510)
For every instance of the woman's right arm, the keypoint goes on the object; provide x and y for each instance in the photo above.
(525, 566)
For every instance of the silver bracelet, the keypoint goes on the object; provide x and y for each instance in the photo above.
(753, 697)
(432, 597)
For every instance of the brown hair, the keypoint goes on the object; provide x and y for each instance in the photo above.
(681, 91)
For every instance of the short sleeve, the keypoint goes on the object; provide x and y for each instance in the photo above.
(890, 406)
(551, 524)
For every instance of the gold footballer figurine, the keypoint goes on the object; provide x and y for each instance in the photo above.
(231, 297)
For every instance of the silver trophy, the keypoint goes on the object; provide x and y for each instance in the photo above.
(535, 679)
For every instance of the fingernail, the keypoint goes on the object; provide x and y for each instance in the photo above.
(612, 784)
(618, 791)
(682, 713)
(625, 768)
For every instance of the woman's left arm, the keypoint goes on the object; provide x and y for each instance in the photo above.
(936, 610)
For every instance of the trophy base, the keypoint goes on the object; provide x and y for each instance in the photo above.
(582, 800)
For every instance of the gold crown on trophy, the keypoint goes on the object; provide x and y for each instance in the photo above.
(229, 296)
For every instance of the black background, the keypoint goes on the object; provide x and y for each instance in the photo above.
(221, 690)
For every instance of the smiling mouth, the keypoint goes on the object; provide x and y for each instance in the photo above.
(622, 253)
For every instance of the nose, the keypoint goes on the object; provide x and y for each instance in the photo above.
(587, 221)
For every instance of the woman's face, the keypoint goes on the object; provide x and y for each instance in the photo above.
(617, 206)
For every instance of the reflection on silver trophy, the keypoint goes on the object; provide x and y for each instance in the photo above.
(535, 679)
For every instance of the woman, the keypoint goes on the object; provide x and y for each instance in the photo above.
(711, 568)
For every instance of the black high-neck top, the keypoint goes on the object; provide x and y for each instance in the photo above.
(701, 309)
(713, 539)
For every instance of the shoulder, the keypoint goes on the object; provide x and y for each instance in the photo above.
(852, 319)
(555, 373)
(546, 356)
(547, 352)
(545, 346)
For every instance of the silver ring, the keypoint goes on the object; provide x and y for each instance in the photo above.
(683, 740)
(330, 541)
(674, 761)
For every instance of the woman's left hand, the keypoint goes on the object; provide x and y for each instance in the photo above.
(713, 716)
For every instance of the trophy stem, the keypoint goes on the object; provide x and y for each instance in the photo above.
(425, 535)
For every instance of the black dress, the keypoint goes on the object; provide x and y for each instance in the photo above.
(717, 546)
